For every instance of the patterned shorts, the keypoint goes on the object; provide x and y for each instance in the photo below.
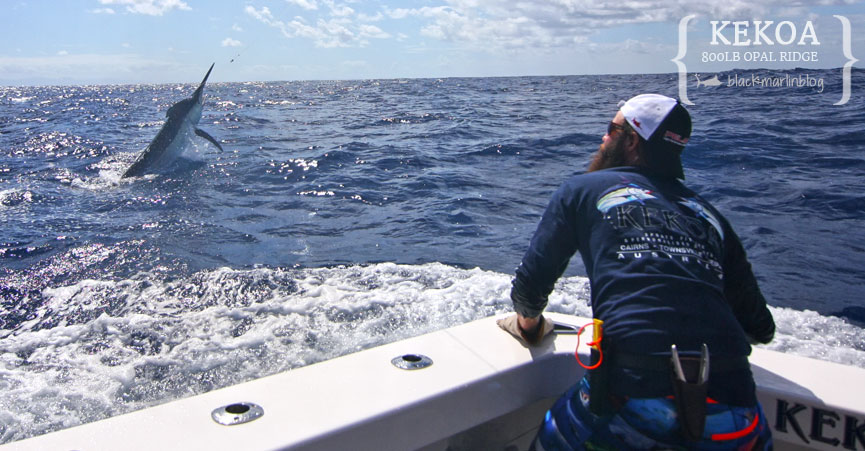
(647, 423)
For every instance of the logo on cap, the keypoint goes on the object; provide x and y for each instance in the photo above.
(675, 138)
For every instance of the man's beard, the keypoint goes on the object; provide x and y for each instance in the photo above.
(611, 157)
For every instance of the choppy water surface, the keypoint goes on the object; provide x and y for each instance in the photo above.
(348, 214)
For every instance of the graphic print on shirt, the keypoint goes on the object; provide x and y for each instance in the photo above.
(704, 213)
(652, 227)
(623, 195)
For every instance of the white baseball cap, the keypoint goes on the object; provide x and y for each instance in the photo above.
(645, 112)
(665, 125)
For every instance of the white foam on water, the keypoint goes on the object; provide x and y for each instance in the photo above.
(13, 196)
(99, 348)
(809, 334)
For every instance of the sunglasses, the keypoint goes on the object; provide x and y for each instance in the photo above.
(612, 127)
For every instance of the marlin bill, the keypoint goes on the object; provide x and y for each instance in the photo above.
(181, 122)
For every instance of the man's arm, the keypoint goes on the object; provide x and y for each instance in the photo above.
(743, 294)
(550, 251)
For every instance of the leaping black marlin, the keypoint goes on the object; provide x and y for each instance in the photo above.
(182, 120)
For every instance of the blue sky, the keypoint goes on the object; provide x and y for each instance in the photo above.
(155, 41)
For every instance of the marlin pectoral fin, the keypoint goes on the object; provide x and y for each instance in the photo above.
(206, 136)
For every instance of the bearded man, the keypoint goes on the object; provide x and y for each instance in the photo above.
(673, 287)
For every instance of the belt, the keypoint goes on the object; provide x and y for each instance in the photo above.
(662, 362)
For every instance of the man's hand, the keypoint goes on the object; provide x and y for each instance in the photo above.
(530, 330)
(528, 326)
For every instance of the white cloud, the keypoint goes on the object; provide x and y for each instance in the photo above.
(495, 25)
(339, 30)
(401, 13)
(228, 42)
(505, 25)
(492, 24)
(292, 29)
(102, 11)
(628, 46)
(149, 7)
(263, 15)
(334, 33)
(237, 28)
(363, 17)
(339, 10)
(308, 5)
(62, 53)
(372, 31)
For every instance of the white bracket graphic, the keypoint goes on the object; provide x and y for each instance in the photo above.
(845, 24)
(683, 49)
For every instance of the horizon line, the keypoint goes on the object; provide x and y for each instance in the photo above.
(616, 74)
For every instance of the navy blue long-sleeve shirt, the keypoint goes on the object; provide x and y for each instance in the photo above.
(665, 267)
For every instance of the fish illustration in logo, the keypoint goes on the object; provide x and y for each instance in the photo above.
(623, 195)
(704, 213)
(708, 82)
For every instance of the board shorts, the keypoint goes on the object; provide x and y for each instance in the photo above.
(646, 423)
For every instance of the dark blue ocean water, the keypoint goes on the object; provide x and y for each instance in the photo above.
(346, 214)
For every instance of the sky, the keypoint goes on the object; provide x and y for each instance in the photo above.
(48, 42)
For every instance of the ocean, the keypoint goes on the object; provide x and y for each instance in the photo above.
(343, 215)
